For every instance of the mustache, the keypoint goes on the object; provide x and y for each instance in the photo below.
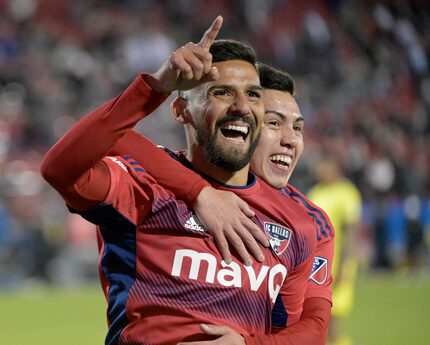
(231, 118)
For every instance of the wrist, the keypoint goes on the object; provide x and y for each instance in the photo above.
(204, 192)
(156, 83)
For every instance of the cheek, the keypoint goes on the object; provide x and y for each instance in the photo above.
(300, 148)
(207, 119)
(214, 112)
(269, 134)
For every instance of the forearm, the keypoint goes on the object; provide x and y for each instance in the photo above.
(310, 330)
(183, 182)
(87, 142)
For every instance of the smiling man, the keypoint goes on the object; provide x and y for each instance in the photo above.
(227, 142)
(162, 274)
(281, 145)
(274, 160)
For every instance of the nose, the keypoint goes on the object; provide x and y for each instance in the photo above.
(240, 105)
(289, 137)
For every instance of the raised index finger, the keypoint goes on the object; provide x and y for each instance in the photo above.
(211, 33)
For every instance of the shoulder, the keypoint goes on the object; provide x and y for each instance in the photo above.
(127, 165)
(299, 197)
(317, 213)
(129, 178)
(114, 162)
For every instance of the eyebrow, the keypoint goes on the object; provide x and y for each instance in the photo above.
(256, 87)
(230, 87)
(283, 116)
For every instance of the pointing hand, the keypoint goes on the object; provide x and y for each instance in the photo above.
(190, 65)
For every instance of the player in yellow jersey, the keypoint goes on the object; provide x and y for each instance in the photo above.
(341, 200)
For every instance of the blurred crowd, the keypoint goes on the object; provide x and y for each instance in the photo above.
(363, 84)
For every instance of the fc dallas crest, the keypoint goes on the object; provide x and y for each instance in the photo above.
(279, 236)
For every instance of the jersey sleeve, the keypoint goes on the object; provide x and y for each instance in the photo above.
(75, 159)
(128, 200)
(310, 330)
(170, 174)
(125, 193)
(320, 279)
(294, 322)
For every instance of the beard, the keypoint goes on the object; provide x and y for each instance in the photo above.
(230, 159)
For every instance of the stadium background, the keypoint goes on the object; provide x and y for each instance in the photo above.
(363, 85)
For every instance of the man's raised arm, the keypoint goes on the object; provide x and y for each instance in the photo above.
(73, 165)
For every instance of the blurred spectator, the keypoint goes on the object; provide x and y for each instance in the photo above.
(341, 199)
(74, 264)
(26, 247)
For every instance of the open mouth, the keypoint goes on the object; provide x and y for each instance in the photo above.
(282, 161)
(236, 132)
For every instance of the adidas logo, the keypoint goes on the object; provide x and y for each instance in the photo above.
(193, 223)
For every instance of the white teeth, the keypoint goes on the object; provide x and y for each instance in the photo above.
(281, 158)
(241, 129)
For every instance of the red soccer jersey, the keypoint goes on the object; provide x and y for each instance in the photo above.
(161, 272)
(164, 276)
(312, 326)
(188, 185)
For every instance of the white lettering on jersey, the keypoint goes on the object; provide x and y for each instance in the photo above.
(256, 281)
(196, 259)
(232, 271)
(230, 274)
(117, 161)
(278, 269)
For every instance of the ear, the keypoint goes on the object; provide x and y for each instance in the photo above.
(180, 111)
